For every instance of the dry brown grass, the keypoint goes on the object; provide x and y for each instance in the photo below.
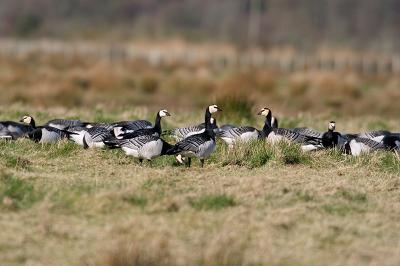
(54, 80)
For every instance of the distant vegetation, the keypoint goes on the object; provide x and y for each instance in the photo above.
(76, 82)
(304, 24)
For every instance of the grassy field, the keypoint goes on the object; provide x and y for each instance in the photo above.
(257, 205)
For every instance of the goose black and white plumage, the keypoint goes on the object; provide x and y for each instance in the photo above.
(305, 131)
(275, 135)
(358, 146)
(79, 133)
(184, 132)
(199, 145)
(333, 139)
(95, 137)
(374, 135)
(45, 134)
(64, 123)
(14, 130)
(154, 131)
(142, 147)
(124, 127)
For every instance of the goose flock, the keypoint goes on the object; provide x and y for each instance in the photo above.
(143, 140)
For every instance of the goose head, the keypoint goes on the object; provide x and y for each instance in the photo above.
(214, 108)
(332, 126)
(264, 112)
(27, 119)
(163, 113)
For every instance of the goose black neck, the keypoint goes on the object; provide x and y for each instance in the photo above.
(267, 125)
(209, 130)
(32, 123)
(157, 124)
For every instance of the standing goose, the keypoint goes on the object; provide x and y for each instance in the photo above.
(199, 145)
(14, 130)
(45, 134)
(154, 131)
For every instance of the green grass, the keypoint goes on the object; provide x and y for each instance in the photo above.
(16, 194)
(255, 204)
(212, 202)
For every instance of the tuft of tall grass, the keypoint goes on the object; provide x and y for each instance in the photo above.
(290, 153)
(252, 154)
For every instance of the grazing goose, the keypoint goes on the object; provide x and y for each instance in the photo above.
(95, 137)
(143, 147)
(242, 134)
(199, 145)
(64, 123)
(184, 132)
(14, 130)
(154, 131)
(45, 134)
(358, 146)
(275, 135)
(392, 142)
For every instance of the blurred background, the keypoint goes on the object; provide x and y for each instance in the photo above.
(340, 56)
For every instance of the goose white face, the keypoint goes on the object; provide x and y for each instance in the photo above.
(214, 108)
(265, 111)
(26, 119)
(164, 113)
(332, 125)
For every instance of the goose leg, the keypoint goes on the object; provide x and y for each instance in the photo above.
(141, 161)
(202, 162)
(189, 162)
(149, 162)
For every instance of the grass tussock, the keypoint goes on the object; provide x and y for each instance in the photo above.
(251, 155)
(291, 154)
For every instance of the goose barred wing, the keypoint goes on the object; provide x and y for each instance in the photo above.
(183, 132)
(136, 143)
(373, 134)
(307, 132)
(235, 132)
(370, 143)
(99, 134)
(191, 143)
(291, 135)
(64, 123)
(133, 125)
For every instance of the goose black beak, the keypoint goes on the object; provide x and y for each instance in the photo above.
(219, 109)
(260, 113)
(167, 114)
(22, 120)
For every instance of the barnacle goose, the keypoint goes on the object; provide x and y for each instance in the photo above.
(155, 131)
(332, 138)
(275, 135)
(184, 132)
(95, 137)
(45, 134)
(14, 130)
(143, 147)
(392, 142)
(374, 135)
(199, 145)
(64, 123)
